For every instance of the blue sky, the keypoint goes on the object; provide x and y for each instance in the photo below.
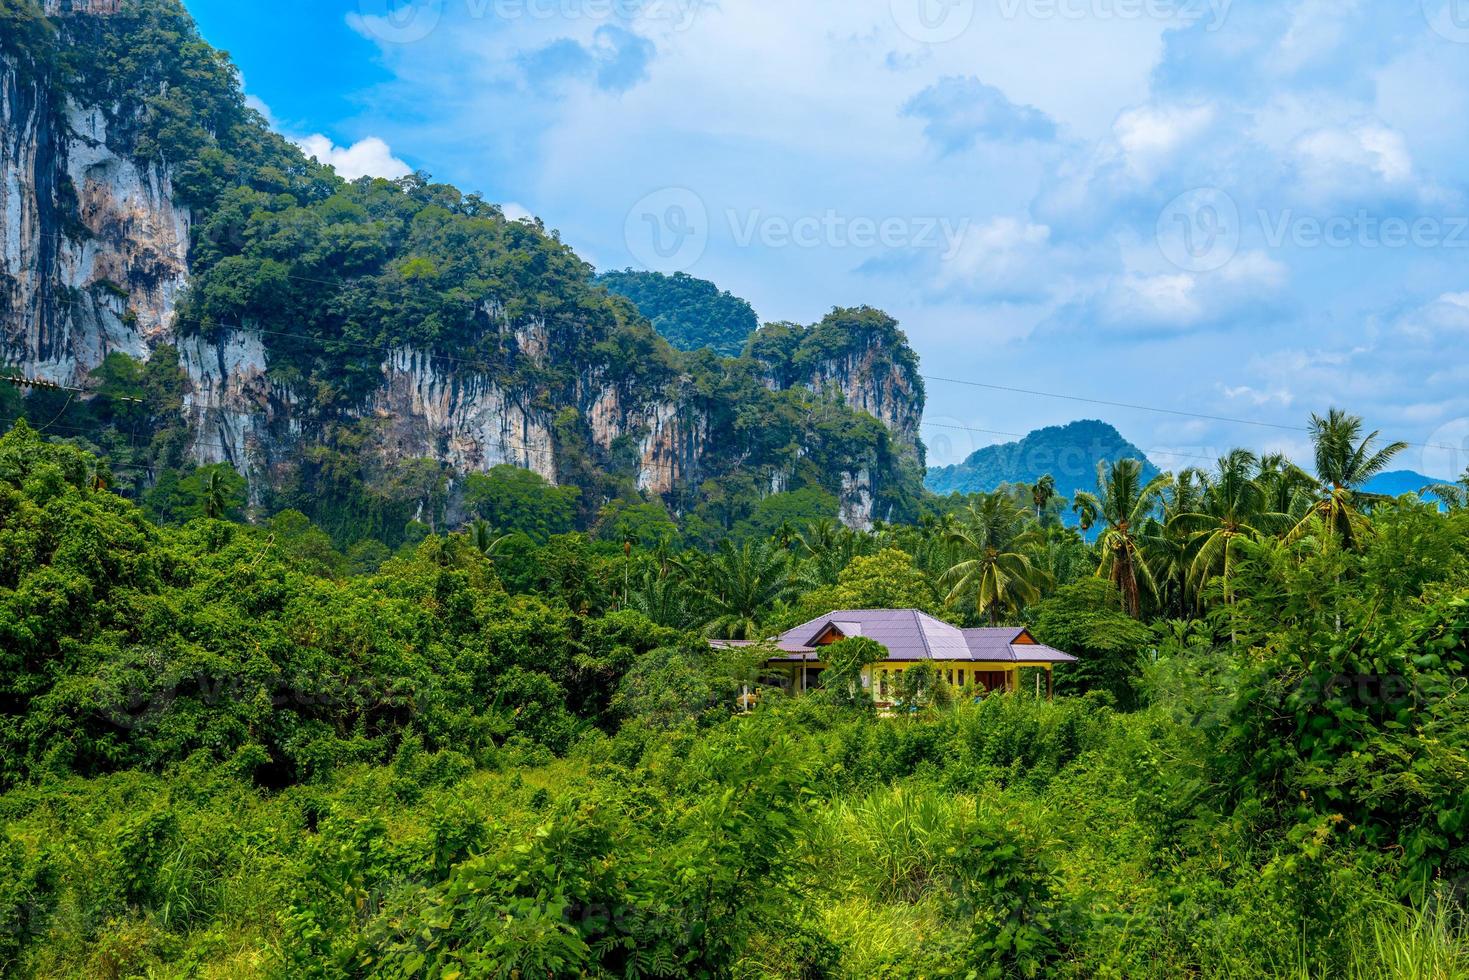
(1235, 208)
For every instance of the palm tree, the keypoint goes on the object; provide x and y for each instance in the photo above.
(741, 585)
(662, 598)
(1124, 504)
(1167, 547)
(482, 538)
(1344, 461)
(1232, 510)
(786, 535)
(1042, 494)
(829, 548)
(1087, 515)
(1288, 489)
(994, 544)
(216, 496)
(1455, 496)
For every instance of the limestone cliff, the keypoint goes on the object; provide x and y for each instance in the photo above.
(93, 247)
(119, 237)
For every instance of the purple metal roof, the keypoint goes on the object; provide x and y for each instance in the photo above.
(909, 634)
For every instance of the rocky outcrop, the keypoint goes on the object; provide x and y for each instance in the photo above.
(667, 437)
(460, 418)
(93, 249)
(871, 380)
(95, 259)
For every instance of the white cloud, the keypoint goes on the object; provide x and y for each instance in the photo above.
(1311, 108)
(1004, 258)
(1256, 397)
(516, 212)
(370, 157)
(1181, 300)
(1447, 315)
(1149, 136)
(1139, 300)
(1352, 160)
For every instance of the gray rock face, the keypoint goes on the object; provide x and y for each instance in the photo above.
(93, 249)
(94, 259)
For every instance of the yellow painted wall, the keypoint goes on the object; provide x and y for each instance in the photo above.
(963, 675)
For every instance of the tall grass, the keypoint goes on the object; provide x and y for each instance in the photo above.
(1430, 942)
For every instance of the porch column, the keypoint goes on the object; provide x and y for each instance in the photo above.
(1050, 683)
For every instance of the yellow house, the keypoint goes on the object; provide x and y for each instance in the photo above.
(989, 659)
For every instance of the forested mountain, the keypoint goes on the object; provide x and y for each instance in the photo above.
(353, 349)
(1068, 453)
(1399, 482)
(689, 313)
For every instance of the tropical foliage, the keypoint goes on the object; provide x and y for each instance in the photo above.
(336, 278)
(230, 750)
(689, 313)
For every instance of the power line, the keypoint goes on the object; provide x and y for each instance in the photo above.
(1022, 435)
(1009, 389)
(21, 381)
(1111, 404)
(1150, 408)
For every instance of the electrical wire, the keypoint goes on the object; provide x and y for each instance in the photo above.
(1008, 389)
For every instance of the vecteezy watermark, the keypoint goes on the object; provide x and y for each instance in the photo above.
(941, 21)
(1448, 18)
(832, 229)
(933, 21)
(669, 230)
(950, 441)
(408, 21)
(399, 21)
(1363, 230)
(1446, 453)
(1200, 230)
(1211, 13)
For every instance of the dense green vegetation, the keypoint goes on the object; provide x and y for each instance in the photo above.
(335, 275)
(689, 313)
(228, 750)
(391, 721)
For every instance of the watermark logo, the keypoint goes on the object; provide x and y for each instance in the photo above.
(668, 230)
(1363, 229)
(949, 440)
(835, 230)
(933, 21)
(409, 21)
(1448, 18)
(1211, 13)
(399, 21)
(1446, 453)
(1199, 230)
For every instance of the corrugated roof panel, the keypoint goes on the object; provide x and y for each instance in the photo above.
(909, 634)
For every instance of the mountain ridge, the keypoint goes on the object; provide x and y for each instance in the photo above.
(1069, 453)
(315, 333)
(689, 313)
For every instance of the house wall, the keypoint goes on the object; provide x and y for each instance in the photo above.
(881, 680)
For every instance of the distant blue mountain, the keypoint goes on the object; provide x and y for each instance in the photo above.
(1399, 482)
(1069, 453)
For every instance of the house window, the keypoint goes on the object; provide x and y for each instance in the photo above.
(882, 685)
(961, 676)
